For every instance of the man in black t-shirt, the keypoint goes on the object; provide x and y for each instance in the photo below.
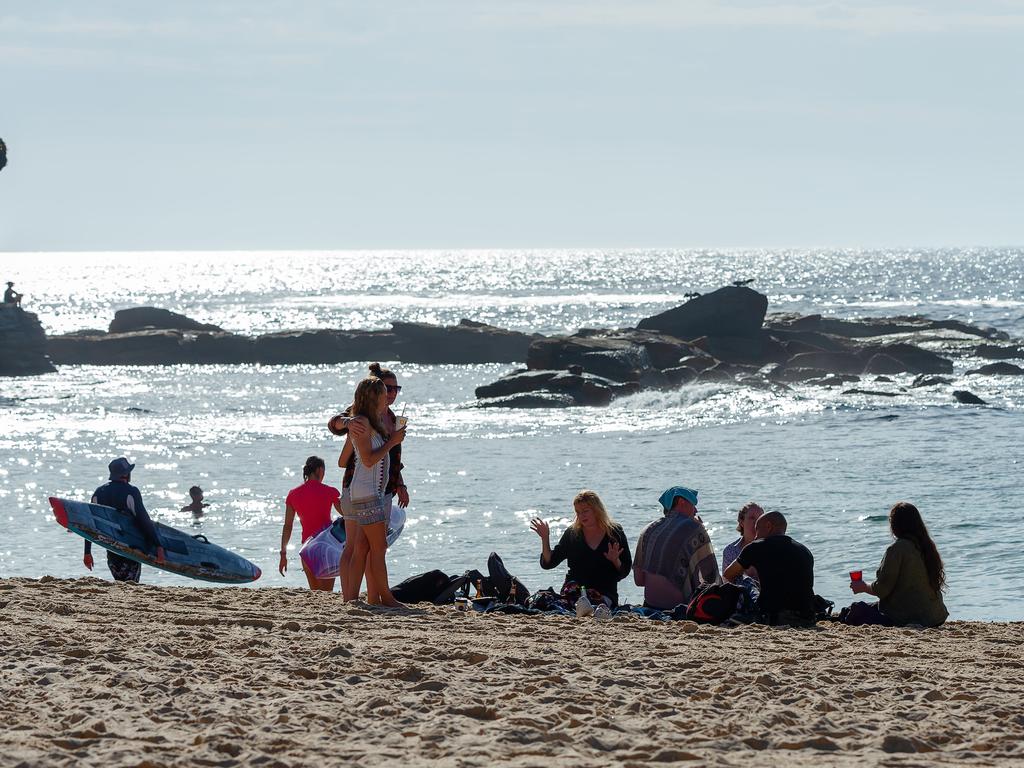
(786, 571)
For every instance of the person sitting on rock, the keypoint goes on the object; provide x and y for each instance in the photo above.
(786, 571)
(11, 296)
(120, 494)
(597, 551)
(909, 581)
(674, 555)
(197, 505)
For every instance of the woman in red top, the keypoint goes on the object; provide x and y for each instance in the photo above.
(312, 501)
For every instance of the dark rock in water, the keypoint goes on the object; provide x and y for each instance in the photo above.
(998, 369)
(136, 348)
(831, 362)
(588, 389)
(874, 392)
(758, 349)
(219, 349)
(884, 364)
(662, 351)
(618, 365)
(697, 362)
(968, 398)
(468, 341)
(795, 347)
(573, 389)
(23, 348)
(528, 400)
(559, 352)
(620, 355)
(516, 383)
(913, 358)
(930, 381)
(321, 347)
(999, 352)
(790, 375)
(729, 311)
(718, 374)
(153, 318)
(835, 380)
(654, 379)
(881, 326)
(680, 375)
(883, 379)
(797, 341)
(757, 382)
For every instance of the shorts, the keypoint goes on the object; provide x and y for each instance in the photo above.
(348, 511)
(123, 569)
(370, 510)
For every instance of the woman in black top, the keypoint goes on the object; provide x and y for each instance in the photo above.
(595, 547)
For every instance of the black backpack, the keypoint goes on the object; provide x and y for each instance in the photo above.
(713, 603)
(504, 581)
(422, 588)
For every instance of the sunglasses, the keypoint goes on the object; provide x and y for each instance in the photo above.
(393, 388)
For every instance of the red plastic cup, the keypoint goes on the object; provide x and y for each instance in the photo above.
(856, 575)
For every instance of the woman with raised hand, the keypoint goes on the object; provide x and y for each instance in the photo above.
(909, 581)
(312, 502)
(365, 503)
(596, 549)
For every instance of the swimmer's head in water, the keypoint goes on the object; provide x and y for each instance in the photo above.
(196, 493)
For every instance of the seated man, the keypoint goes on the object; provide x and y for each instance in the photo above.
(11, 296)
(786, 571)
(674, 554)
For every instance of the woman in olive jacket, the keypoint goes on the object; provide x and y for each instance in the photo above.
(909, 581)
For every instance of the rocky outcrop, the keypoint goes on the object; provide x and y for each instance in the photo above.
(621, 355)
(998, 369)
(562, 387)
(153, 318)
(729, 311)
(726, 337)
(468, 342)
(967, 398)
(22, 343)
(999, 351)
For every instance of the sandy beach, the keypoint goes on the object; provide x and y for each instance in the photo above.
(107, 674)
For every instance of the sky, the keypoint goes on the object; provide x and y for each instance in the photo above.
(231, 124)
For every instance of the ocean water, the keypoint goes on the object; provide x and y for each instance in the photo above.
(833, 463)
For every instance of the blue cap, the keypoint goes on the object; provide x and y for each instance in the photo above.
(668, 498)
(120, 468)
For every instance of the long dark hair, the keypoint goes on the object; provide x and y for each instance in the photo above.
(313, 463)
(905, 523)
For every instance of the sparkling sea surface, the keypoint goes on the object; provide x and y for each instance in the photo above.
(833, 463)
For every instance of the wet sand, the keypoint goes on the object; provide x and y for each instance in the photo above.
(98, 673)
